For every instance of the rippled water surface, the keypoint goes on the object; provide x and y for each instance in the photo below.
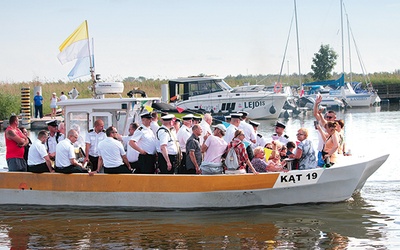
(370, 220)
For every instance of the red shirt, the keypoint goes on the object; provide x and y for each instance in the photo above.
(12, 148)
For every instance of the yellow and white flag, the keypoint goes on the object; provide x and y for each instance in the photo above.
(72, 47)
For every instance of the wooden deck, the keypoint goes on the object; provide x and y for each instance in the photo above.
(388, 91)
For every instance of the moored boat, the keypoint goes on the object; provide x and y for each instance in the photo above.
(333, 184)
(214, 95)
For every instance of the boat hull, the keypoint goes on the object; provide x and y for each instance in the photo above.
(188, 191)
(257, 105)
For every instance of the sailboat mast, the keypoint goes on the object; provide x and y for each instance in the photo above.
(297, 38)
(341, 27)
(349, 46)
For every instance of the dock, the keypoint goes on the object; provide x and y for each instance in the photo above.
(36, 123)
(388, 91)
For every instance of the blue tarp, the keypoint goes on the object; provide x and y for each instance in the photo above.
(332, 83)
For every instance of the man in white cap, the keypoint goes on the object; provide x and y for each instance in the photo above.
(183, 135)
(230, 132)
(279, 133)
(167, 147)
(54, 138)
(250, 135)
(213, 148)
(144, 141)
(260, 141)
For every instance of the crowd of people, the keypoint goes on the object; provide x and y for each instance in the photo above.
(190, 145)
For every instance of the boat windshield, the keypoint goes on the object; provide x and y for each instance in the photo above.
(223, 85)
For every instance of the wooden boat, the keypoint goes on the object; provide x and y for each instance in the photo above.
(333, 184)
(176, 191)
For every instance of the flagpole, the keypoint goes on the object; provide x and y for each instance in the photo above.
(90, 61)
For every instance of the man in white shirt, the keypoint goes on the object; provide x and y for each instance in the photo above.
(144, 142)
(183, 135)
(154, 122)
(65, 155)
(38, 158)
(93, 138)
(250, 135)
(167, 146)
(63, 97)
(261, 140)
(131, 154)
(206, 126)
(112, 155)
(54, 138)
(279, 134)
(230, 131)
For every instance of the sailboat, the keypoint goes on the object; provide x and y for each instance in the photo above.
(338, 92)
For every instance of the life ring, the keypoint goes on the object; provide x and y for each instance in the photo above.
(278, 87)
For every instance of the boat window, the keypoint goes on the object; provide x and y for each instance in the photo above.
(103, 118)
(79, 121)
(222, 84)
(204, 87)
(120, 124)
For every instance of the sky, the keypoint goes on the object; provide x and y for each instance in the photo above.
(174, 38)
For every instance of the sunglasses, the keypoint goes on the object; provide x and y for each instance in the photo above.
(329, 117)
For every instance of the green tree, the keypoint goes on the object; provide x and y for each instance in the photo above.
(323, 62)
(8, 104)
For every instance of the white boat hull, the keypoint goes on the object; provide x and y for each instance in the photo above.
(189, 191)
(258, 106)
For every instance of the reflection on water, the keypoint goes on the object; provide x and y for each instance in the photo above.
(326, 226)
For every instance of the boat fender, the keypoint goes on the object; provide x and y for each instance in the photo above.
(278, 87)
(272, 109)
(174, 98)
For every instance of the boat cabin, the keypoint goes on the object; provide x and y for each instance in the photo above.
(184, 88)
(119, 112)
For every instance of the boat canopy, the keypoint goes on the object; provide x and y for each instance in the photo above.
(332, 83)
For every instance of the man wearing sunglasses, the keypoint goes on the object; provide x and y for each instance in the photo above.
(330, 116)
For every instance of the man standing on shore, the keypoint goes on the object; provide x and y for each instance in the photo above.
(15, 143)
(38, 101)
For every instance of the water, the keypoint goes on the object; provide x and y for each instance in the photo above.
(370, 220)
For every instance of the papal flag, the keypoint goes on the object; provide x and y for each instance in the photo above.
(73, 47)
